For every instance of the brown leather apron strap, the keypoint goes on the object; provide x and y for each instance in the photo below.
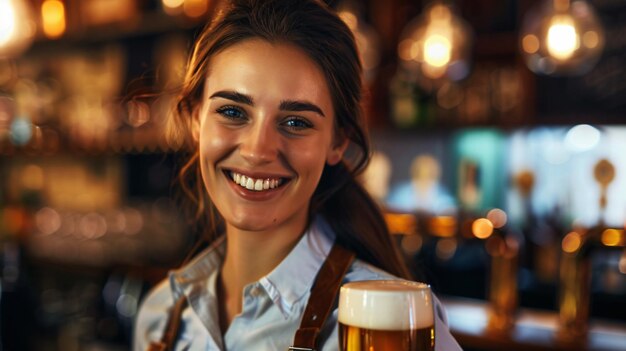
(322, 299)
(319, 306)
(171, 330)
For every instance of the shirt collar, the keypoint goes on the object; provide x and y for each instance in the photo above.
(292, 279)
(199, 269)
(288, 283)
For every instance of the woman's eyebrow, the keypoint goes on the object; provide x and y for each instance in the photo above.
(233, 96)
(292, 105)
(285, 105)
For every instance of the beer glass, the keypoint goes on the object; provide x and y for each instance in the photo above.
(381, 315)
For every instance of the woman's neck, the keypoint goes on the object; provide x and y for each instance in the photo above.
(249, 257)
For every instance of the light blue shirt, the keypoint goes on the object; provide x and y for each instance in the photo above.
(272, 307)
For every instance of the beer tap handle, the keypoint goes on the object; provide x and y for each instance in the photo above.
(604, 173)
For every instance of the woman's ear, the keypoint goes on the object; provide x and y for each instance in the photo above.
(335, 154)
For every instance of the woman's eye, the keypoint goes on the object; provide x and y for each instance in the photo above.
(297, 124)
(231, 112)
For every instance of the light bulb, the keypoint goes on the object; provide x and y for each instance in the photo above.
(436, 45)
(437, 50)
(17, 28)
(561, 37)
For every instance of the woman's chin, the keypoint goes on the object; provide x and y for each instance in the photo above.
(265, 221)
(253, 223)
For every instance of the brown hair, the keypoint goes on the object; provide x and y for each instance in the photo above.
(323, 36)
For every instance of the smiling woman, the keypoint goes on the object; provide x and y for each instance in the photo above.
(267, 116)
(270, 103)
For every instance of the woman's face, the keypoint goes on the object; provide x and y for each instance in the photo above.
(266, 130)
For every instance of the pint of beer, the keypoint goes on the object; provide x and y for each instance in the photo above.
(386, 315)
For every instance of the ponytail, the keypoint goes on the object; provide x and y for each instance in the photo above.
(356, 220)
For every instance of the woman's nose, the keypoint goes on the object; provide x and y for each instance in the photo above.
(260, 144)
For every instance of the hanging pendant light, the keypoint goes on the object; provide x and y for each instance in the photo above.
(561, 37)
(17, 27)
(437, 44)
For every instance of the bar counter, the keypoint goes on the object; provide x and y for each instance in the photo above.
(534, 330)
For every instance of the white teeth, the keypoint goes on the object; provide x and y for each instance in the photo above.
(254, 184)
(258, 185)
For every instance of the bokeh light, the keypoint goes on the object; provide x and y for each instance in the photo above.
(582, 137)
(195, 8)
(446, 248)
(134, 221)
(21, 131)
(411, 244)
(482, 228)
(17, 27)
(497, 217)
(561, 37)
(53, 18)
(571, 242)
(47, 220)
(443, 226)
(612, 237)
(437, 45)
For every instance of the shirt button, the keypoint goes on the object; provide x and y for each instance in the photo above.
(255, 291)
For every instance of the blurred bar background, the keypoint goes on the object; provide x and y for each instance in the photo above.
(499, 130)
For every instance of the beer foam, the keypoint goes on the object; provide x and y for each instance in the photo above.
(385, 305)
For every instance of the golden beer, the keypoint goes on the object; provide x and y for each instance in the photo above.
(386, 315)
(360, 339)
